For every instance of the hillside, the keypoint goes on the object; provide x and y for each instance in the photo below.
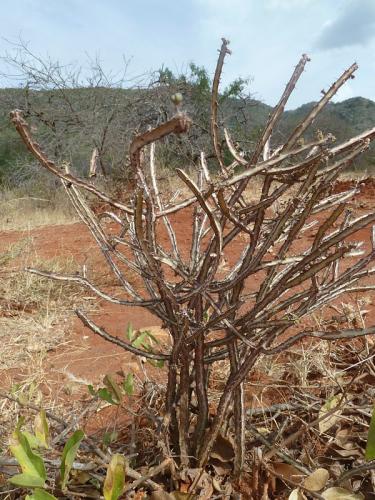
(343, 119)
(70, 124)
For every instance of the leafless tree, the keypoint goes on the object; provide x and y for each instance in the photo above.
(75, 110)
(251, 307)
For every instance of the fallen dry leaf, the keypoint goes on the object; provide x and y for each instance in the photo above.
(316, 480)
(349, 449)
(223, 450)
(287, 472)
(342, 436)
(332, 419)
(220, 468)
(341, 494)
(296, 495)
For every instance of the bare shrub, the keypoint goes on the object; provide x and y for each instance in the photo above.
(242, 291)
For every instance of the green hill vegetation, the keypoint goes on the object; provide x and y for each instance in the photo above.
(71, 122)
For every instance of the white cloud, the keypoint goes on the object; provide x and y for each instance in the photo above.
(267, 38)
(286, 4)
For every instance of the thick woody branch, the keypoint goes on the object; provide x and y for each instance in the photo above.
(300, 129)
(279, 109)
(214, 104)
(177, 125)
(74, 278)
(336, 335)
(273, 119)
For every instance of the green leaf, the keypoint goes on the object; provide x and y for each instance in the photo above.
(31, 464)
(41, 428)
(27, 480)
(68, 455)
(113, 387)
(141, 341)
(40, 495)
(110, 437)
(32, 440)
(104, 394)
(115, 478)
(370, 446)
(151, 336)
(128, 384)
(92, 391)
(129, 332)
(158, 363)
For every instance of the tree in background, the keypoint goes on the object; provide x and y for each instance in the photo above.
(73, 111)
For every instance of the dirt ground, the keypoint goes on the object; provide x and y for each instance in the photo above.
(84, 358)
(56, 374)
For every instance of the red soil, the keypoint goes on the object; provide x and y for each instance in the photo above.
(88, 357)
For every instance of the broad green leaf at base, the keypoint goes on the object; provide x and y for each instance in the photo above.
(40, 495)
(68, 455)
(115, 479)
(27, 480)
(32, 465)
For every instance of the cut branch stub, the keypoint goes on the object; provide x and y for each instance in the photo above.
(179, 124)
(214, 104)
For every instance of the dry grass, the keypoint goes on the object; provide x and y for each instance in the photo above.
(356, 175)
(19, 211)
(171, 186)
(35, 315)
(34, 311)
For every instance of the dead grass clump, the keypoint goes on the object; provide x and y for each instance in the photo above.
(172, 188)
(20, 211)
(35, 291)
(355, 175)
(35, 315)
(25, 337)
(34, 312)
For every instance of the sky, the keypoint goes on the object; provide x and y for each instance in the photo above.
(267, 39)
